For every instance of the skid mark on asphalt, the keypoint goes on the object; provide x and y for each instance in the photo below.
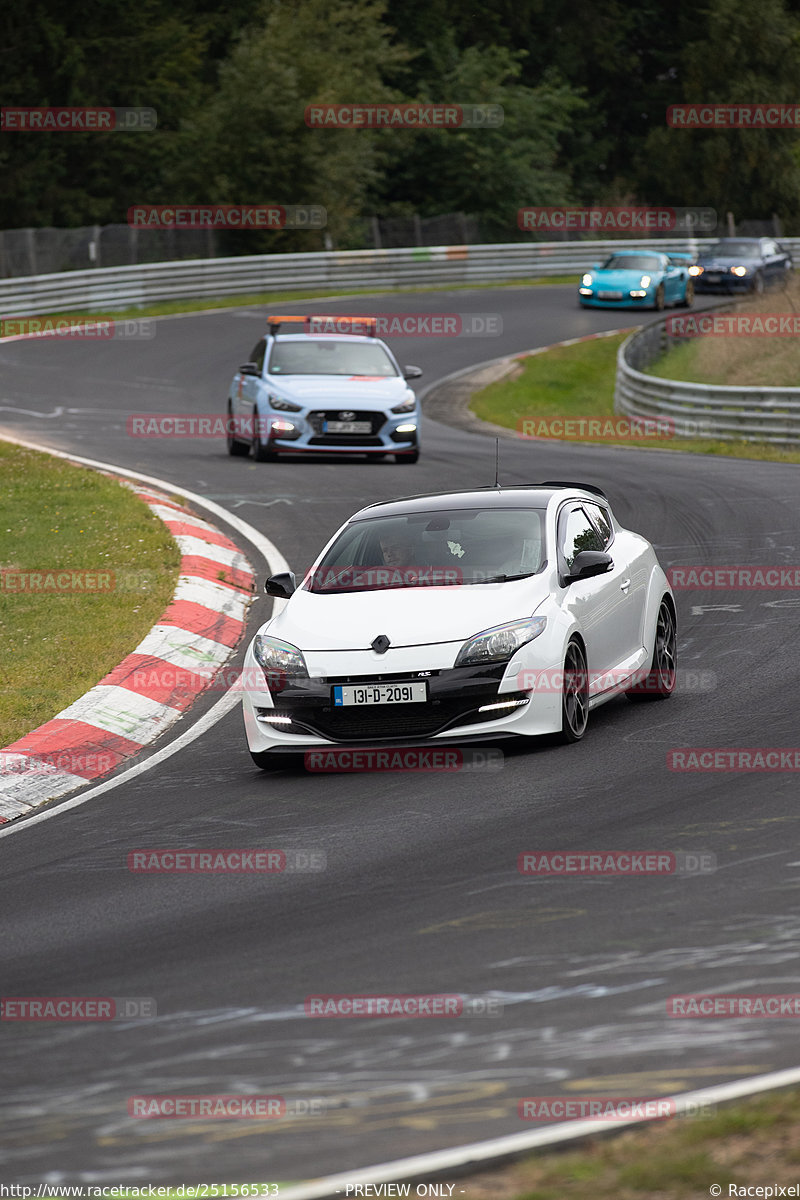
(505, 920)
(32, 412)
(659, 1082)
(703, 829)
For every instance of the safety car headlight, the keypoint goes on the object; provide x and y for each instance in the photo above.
(283, 405)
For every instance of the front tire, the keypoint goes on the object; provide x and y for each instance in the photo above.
(659, 683)
(659, 300)
(758, 285)
(574, 694)
(260, 451)
(235, 449)
(688, 298)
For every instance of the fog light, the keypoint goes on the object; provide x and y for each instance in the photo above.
(409, 428)
(502, 704)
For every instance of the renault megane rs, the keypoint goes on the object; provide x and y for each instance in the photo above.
(461, 617)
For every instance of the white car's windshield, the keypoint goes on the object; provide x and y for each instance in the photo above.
(327, 356)
(433, 549)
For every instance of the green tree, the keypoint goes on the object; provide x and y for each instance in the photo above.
(749, 54)
(488, 172)
(93, 54)
(250, 143)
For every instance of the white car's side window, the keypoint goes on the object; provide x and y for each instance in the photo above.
(602, 523)
(577, 533)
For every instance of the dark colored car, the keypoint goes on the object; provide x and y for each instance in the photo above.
(742, 265)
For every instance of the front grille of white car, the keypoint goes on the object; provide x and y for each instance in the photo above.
(396, 720)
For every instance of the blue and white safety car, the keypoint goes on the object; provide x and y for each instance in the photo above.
(323, 384)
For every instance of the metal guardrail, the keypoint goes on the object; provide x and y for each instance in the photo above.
(106, 289)
(750, 414)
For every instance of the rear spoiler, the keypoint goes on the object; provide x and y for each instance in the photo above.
(570, 483)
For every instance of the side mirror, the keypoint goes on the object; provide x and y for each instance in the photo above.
(282, 586)
(588, 563)
(412, 372)
(249, 369)
(596, 267)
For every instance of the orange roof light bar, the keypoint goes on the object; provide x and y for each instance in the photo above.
(328, 323)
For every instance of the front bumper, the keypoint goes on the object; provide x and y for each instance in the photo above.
(458, 697)
(727, 284)
(627, 301)
(457, 710)
(389, 432)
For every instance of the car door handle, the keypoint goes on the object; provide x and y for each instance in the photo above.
(623, 587)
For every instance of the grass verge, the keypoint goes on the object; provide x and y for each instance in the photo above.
(55, 645)
(574, 382)
(752, 1143)
(742, 361)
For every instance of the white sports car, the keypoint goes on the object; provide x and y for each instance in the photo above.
(461, 617)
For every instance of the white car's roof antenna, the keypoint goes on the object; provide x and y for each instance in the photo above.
(497, 462)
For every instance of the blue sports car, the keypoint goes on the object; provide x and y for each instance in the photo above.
(638, 279)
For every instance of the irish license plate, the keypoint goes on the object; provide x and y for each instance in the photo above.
(609, 295)
(379, 693)
(348, 427)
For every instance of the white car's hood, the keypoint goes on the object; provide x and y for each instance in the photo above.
(407, 616)
(346, 390)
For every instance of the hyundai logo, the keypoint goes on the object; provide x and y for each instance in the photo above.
(346, 416)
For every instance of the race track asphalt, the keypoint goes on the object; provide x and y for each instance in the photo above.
(421, 893)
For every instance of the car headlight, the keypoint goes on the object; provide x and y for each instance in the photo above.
(406, 406)
(500, 643)
(283, 405)
(279, 659)
(645, 281)
(587, 279)
(739, 271)
(696, 270)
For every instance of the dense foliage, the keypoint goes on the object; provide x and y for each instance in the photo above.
(584, 87)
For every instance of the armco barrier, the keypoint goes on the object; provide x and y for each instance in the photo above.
(106, 289)
(750, 414)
